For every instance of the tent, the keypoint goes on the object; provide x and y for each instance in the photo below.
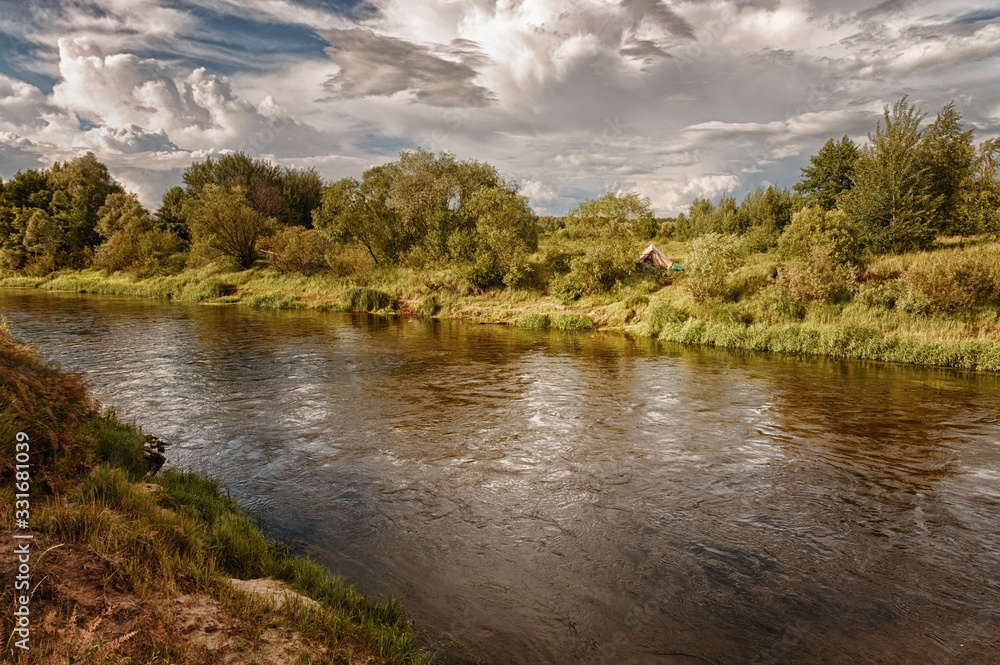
(655, 257)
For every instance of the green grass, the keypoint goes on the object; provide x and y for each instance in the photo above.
(939, 307)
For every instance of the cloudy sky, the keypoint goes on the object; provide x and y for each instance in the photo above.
(569, 98)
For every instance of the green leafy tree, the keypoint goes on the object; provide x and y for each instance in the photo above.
(980, 208)
(711, 259)
(171, 215)
(260, 180)
(615, 216)
(949, 158)
(303, 192)
(505, 234)
(814, 227)
(79, 188)
(830, 173)
(226, 223)
(353, 211)
(134, 241)
(892, 201)
(699, 220)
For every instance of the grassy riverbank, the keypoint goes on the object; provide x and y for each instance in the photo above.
(886, 313)
(128, 568)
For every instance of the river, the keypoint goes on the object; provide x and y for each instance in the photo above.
(556, 498)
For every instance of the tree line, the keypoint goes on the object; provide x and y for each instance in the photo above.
(909, 183)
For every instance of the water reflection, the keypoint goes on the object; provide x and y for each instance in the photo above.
(555, 498)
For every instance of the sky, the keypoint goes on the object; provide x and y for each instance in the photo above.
(567, 98)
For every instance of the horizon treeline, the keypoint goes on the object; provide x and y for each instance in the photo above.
(911, 182)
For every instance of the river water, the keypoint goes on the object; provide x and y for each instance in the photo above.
(555, 498)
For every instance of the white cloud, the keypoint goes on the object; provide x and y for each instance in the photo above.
(570, 97)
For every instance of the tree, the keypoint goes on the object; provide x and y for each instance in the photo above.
(981, 203)
(949, 158)
(134, 241)
(614, 216)
(284, 195)
(79, 188)
(892, 201)
(711, 259)
(225, 222)
(303, 192)
(505, 234)
(172, 215)
(830, 174)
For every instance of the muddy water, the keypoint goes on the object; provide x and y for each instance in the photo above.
(549, 498)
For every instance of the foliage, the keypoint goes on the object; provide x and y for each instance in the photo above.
(598, 269)
(133, 241)
(830, 173)
(949, 157)
(427, 208)
(614, 215)
(711, 259)
(572, 322)
(533, 320)
(225, 222)
(501, 241)
(368, 300)
(817, 277)
(296, 249)
(892, 201)
(811, 227)
(952, 283)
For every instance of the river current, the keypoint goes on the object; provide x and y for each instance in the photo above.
(542, 497)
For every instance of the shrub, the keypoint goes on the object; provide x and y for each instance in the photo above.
(596, 270)
(818, 278)
(296, 249)
(660, 314)
(430, 305)
(951, 283)
(141, 253)
(363, 299)
(711, 259)
(572, 322)
(813, 226)
(533, 320)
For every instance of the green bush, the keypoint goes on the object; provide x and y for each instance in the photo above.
(533, 320)
(596, 270)
(363, 299)
(711, 259)
(296, 249)
(204, 289)
(818, 278)
(813, 227)
(572, 322)
(659, 314)
(430, 306)
(952, 283)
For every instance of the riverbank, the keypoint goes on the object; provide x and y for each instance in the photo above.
(884, 318)
(132, 568)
